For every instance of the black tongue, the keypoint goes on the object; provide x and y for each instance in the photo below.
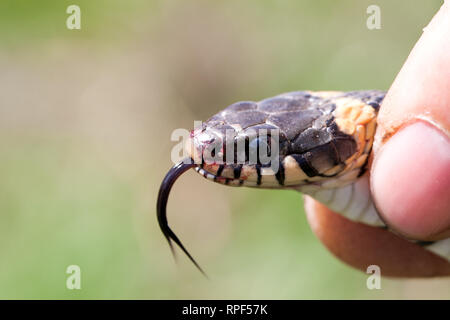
(163, 196)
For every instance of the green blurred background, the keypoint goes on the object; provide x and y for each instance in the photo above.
(85, 123)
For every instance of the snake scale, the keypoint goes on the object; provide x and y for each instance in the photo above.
(322, 148)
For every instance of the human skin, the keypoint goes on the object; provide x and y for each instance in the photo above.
(410, 171)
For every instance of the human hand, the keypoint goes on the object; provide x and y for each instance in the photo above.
(410, 173)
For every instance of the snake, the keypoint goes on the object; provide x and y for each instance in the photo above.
(319, 143)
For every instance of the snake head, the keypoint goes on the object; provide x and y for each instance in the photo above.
(297, 139)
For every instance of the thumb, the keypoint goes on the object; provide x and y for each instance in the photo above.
(410, 176)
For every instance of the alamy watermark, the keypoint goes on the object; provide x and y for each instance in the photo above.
(74, 20)
(73, 281)
(227, 147)
(374, 20)
(373, 281)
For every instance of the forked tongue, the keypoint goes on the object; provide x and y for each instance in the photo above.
(163, 195)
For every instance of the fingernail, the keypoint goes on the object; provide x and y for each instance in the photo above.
(411, 181)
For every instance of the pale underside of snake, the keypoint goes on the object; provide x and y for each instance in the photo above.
(322, 147)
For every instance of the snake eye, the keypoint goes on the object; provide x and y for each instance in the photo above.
(258, 146)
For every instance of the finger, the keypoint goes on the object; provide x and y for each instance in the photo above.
(360, 245)
(411, 169)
